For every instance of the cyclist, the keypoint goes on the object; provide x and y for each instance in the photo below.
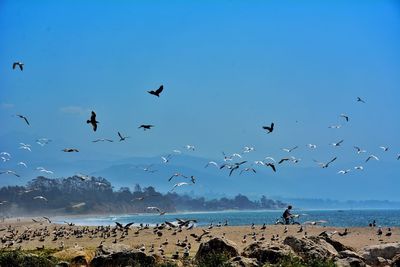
(287, 215)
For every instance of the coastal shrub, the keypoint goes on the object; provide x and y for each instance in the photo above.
(214, 260)
(18, 258)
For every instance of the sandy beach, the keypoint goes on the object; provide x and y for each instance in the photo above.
(243, 236)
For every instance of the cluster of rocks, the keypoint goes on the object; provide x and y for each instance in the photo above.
(306, 250)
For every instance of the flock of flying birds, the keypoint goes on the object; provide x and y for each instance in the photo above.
(233, 163)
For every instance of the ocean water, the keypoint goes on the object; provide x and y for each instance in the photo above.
(340, 218)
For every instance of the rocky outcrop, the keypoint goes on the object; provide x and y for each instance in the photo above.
(240, 261)
(350, 262)
(120, 255)
(380, 255)
(266, 253)
(217, 246)
(313, 248)
(396, 261)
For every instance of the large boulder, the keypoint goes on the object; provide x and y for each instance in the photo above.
(380, 255)
(396, 261)
(121, 255)
(350, 262)
(266, 253)
(240, 261)
(313, 248)
(217, 246)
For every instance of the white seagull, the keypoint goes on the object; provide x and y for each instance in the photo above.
(372, 157)
(179, 185)
(343, 171)
(190, 147)
(41, 198)
(337, 144)
(360, 168)
(211, 163)
(359, 150)
(23, 164)
(385, 148)
(335, 126)
(312, 146)
(9, 172)
(289, 149)
(248, 149)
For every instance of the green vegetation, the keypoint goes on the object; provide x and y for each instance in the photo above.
(21, 258)
(214, 260)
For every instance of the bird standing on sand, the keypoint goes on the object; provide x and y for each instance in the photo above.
(19, 64)
(93, 121)
(157, 92)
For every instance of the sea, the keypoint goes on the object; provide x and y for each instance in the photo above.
(337, 218)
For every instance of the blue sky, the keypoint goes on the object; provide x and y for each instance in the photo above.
(228, 68)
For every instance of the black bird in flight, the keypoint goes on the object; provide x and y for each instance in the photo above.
(146, 126)
(269, 129)
(93, 121)
(157, 92)
(122, 138)
(19, 64)
(272, 166)
(119, 225)
(23, 117)
(360, 100)
(70, 150)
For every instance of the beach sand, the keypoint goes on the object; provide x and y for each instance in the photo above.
(357, 237)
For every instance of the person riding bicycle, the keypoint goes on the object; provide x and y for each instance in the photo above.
(287, 215)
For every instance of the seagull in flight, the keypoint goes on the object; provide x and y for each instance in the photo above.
(259, 162)
(311, 146)
(146, 126)
(166, 159)
(190, 147)
(359, 150)
(337, 144)
(248, 149)
(247, 170)
(270, 128)
(83, 177)
(325, 165)
(157, 92)
(93, 121)
(24, 118)
(271, 165)
(360, 168)
(343, 171)
(360, 100)
(25, 146)
(70, 150)
(289, 149)
(335, 126)
(179, 185)
(344, 116)
(19, 64)
(6, 154)
(9, 172)
(4, 159)
(385, 148)
(270, 158)
(23, 164)
(226, 157)
(283, 160)
(372, 157)
(232, 167)
(43, 141)
(398, 156)
(41, 169)
(122, 138)
(102, 140)
(177, 174)
(211, 163)
(177, 151)
(41, 198)
(148, 168)
(156, 209)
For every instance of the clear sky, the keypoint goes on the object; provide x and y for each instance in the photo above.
(227, 68)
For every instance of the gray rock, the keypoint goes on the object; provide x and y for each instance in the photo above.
(240, 261)
(118, 255)
(349, 254)
(266, 254)
(79, 261)
(396, 261)
(380, 255)
(313, 248)
(217, 246)
(350, 262)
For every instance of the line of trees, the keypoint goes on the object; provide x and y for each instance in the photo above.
(96, 195)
